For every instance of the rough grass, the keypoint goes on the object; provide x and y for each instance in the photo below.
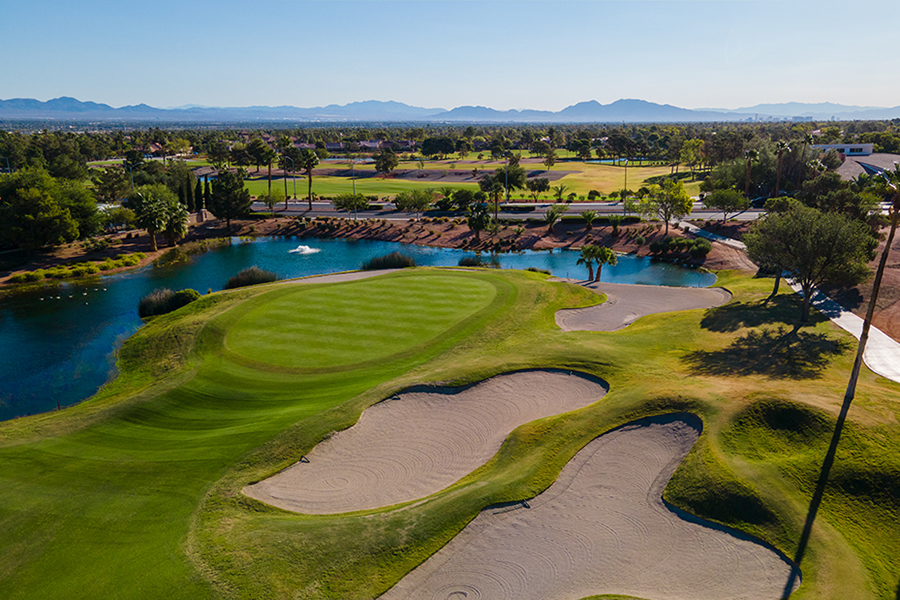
(137, 492)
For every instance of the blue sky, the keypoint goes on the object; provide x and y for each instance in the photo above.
(524, 54)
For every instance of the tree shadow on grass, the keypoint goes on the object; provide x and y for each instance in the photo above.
(784, 308)
(775, 352)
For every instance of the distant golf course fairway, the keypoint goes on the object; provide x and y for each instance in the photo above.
(137, 492)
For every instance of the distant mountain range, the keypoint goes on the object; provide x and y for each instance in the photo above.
(629, 111)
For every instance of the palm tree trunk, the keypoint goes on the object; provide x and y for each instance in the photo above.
(599, 268)
(309, 192)
(270, 179)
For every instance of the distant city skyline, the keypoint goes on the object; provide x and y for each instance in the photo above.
(503, 55)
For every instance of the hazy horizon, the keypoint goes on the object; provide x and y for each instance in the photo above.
(696, 54)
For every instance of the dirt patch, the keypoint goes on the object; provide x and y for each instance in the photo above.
(603, 528)
(421, 442)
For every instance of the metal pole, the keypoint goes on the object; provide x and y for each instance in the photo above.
(8, 168)
(293, 168)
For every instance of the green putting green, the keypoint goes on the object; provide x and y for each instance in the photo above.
(337, 326)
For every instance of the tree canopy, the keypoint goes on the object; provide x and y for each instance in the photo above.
(229, 198)
(667, 201)
(814, 247)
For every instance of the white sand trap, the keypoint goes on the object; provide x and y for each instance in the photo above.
(422, 442)
(626, 303)
(602, 528)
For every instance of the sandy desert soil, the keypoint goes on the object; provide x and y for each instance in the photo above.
(602, 528)
(420, 442)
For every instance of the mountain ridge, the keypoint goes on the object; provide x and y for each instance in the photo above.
(632, 110)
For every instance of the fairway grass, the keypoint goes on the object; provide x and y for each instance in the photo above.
(136, 493)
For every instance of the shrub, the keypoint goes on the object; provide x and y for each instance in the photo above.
(250, 276)
(27, 277)
(640, 240)
(470, 261)
(394, 260)
(536, 270)
(162, 301)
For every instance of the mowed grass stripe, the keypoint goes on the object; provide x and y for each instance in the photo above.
(104, 511)
(329, 327)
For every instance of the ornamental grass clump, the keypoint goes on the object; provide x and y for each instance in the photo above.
(162, 301)
(394, 260)
(251, 276)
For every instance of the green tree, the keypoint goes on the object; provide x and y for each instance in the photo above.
(537, 186)
(667, 201)
(559, 191)
(198, 195)
(780, 147)
(478, 219)
(352, 203)
(32, 219)
(308, 161)
(152, 206)
(549, 158)
(554, 214)
(727, 201)
(386, 161)
(752, 155)
(605, 256)
(587, 258)
(814, 247)
(110, 183)
(230, 198)
(414, 200)
(176, 226)
(691, 153)
(258, 151)
(218, 154)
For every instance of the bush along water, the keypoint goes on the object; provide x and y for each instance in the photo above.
(251, 276)
(678, 247)
(162, 301)
(394, 260)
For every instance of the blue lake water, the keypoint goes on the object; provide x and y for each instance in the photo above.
(57, 344)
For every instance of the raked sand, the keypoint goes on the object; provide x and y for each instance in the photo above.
(421, 442)
(626, 303)
(602, 528)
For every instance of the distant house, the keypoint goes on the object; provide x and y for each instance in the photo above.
(304, 146)
(403, 145)
(846, 149)
(371, 145)
(334, 146)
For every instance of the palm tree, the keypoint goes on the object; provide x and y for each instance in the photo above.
(781, 147)
(605, 256)
(559, 190)
(807, 141)
(554, 214)
(267, 156)
(752, 155)
(589, 216)
(308, 161)
(589, 254)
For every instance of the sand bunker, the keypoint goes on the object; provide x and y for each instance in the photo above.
(421, 442)
(626, 303)
(602, 528)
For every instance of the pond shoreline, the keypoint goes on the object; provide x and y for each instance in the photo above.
(439, 232)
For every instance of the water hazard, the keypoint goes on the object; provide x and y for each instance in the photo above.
(59, 341)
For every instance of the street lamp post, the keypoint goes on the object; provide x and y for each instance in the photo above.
(293, 168)
(8, 169)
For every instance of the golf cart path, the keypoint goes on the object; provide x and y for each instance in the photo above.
(421, 441)
(882, 354)
(603, 528)
(626, 303)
